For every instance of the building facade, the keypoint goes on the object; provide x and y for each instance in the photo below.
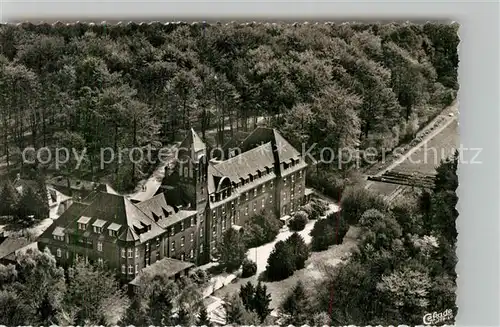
(109, 229)
(264, 174)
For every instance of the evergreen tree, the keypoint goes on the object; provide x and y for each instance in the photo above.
(261, 301)
(232, 250)
(247, 294)
(299, 249)
(235, 310)
(280, 264)
(203, 319)
(296, 306)
(184, 317)
(9, 200)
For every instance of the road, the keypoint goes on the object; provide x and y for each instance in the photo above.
(432, 138)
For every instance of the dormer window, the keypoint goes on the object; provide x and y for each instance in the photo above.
(113, 229)
(259, 174)
(98, 225)
(82, 222)
(58, 234)
(251, 178)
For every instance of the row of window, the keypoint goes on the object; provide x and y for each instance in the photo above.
(100, 261)
(192, 222)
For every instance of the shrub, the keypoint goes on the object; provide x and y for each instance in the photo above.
(319, 207)
(322, 235)
(339, 226)
(261, 229)
(298, 222)
(249, 268)
(356, 200)
(200, 277)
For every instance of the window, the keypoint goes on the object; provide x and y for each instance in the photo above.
(173, 246)
(246, 210)
(191, 254)
(263, 202)
(137, 252)
(186, 174)
(224, 223)
(284, 181)
(182, 257)
(82, 226)
(192, 237)
(136, 269)
(233, 220)
(97, 230)
(147, 247)
(58, 253)
(200, 217)
(147, 261)
(172, 231)
(300, 173)
(123, 253)
(158, 242)
(99, 246)
(123, 269)
(130, 253)
(201, 232)
(182, 226)
(111, 233)
(255, 206)
(214, 230)
(58, 238)
(130, 269)
(292, 179)
(100, 261)
(271, 184)
(182, 241)
(192, 221)
(201, 248)
(270, 198)
(263, 188)
(255, 192)
(284, 196)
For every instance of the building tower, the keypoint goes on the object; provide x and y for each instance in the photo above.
(192, 169)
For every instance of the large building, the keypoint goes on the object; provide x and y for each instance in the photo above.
(183, 222)
(263, 173)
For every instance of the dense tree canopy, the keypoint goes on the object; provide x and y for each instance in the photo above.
(118, 87)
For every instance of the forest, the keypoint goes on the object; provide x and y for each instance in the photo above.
(345, 86)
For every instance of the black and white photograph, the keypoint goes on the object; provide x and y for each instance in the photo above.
(242, 173)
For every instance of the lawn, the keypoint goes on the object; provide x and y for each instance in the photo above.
(312, 273)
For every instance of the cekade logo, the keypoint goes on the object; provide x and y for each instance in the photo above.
(435, 317)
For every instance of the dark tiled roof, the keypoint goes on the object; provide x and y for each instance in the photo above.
(246, 163)
(111, 208)
(261, 135)
(11, 245)
(166, 266)
(157, 207)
